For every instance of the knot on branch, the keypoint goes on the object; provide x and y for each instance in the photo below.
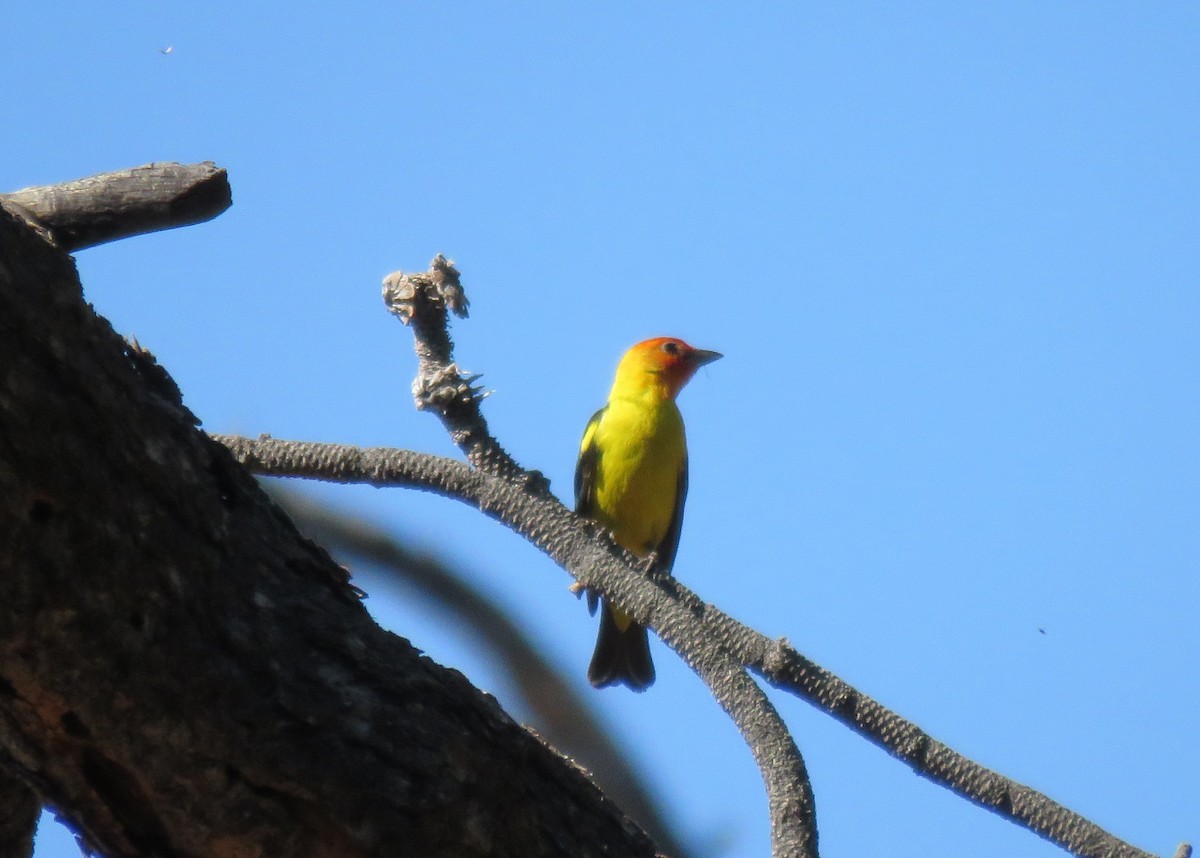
(537, 482)
(778, 656)
(445, 388)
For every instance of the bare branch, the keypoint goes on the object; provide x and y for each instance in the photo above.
(597, 562)
(109, 206)
(421, 301)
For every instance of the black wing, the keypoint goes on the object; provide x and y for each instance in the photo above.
(670, 543)
(585, 468)
(585, 484)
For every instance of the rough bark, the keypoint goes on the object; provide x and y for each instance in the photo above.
(557, 710)
(182, 674)
(19, 810)
(102, 208)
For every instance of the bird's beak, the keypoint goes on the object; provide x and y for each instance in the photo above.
(700, 357)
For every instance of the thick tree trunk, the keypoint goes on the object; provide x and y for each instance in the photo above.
(19, 811)
(182, 674)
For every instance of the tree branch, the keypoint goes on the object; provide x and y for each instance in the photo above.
(599, 563)
(423, 302)
(103, 208)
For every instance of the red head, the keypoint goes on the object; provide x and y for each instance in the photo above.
(663, 363)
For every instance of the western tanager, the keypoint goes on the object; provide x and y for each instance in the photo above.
(632, 477)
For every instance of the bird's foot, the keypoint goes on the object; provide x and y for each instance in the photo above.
(652, 569)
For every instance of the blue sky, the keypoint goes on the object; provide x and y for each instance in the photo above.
(949, 251)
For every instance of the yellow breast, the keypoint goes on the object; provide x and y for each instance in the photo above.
(637, 474)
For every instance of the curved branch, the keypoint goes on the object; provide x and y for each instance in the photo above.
(548, 524)
(109, 206)
(597, 562)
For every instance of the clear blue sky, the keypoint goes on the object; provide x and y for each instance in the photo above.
(952, 254)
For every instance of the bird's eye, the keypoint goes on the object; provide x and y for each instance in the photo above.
(670, 348)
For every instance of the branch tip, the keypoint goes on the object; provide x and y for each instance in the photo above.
(424, 302)
(111, 206)
(437, 290)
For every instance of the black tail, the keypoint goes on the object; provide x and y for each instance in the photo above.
(621, 656)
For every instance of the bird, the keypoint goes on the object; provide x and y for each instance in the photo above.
(632, 478)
